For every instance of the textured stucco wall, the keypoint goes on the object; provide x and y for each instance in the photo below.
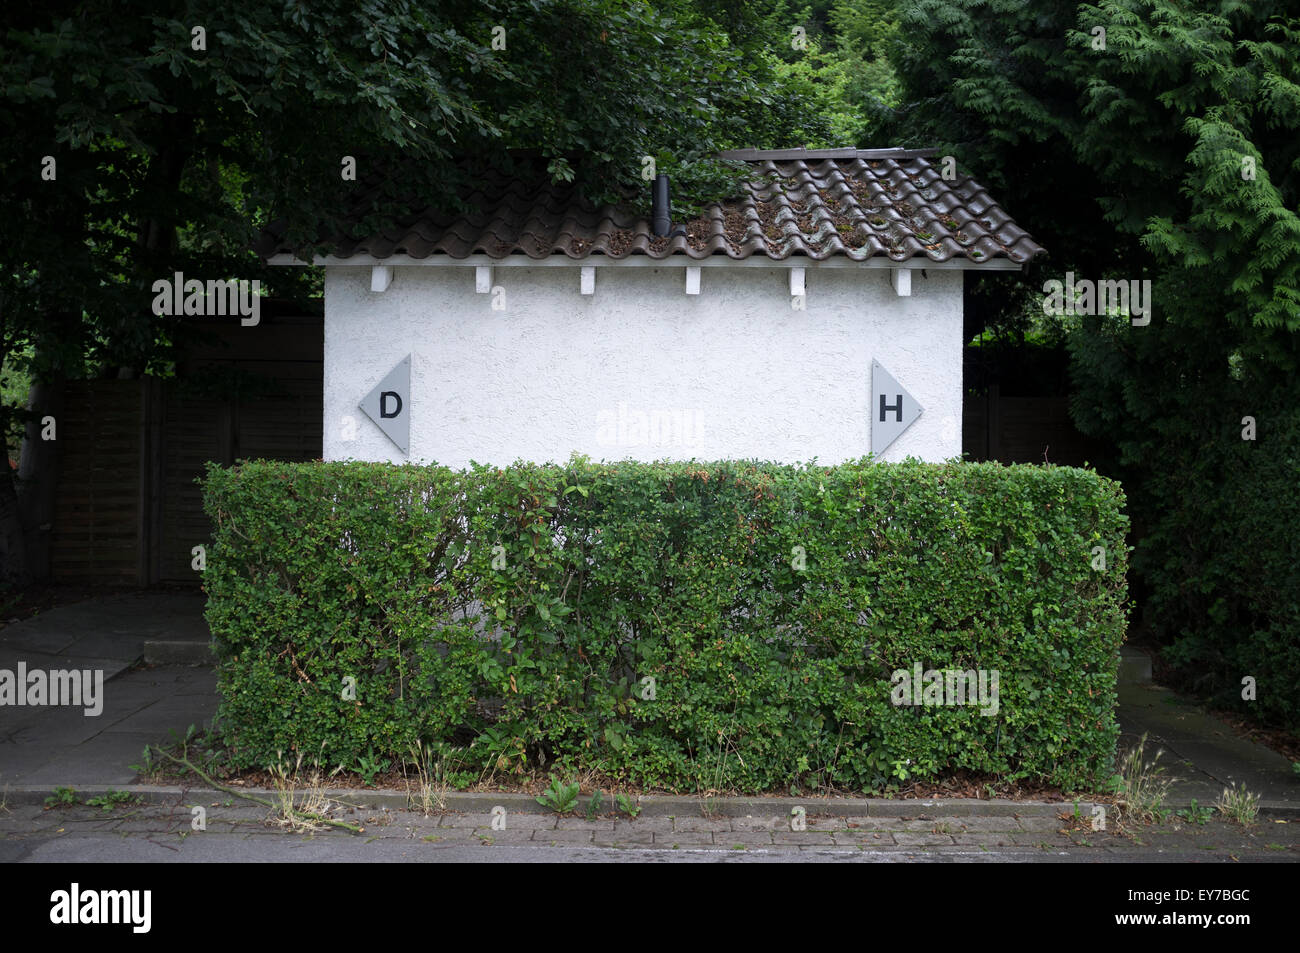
(733, 372)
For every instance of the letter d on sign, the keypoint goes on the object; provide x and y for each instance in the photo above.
(389, 404)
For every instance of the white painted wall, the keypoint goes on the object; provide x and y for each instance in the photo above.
(745, 375)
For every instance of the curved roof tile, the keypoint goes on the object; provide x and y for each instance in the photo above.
(858, 204)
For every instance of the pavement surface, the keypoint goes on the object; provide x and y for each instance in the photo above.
(1203, 754)
(42, 748)
(171, 830)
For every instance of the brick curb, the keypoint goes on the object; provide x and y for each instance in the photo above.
(651, 805)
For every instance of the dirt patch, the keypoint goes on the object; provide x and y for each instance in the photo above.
(1284, 743)
(960, 785)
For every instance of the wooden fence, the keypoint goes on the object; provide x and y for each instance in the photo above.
(1022, 430)
(127, 509)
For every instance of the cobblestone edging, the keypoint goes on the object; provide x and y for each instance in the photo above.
(1042, 832)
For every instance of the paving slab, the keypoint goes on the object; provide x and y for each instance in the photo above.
(1203, 754)
(110, 626)
(1041, 838)
(105, 759)
(914, 839)
(863, 838)
(111, 667)
(582, 824)
(623, 838)
(67, 727)
(447, 835)
(162, 825)
(875, 823)
(566, 836)
(925, 824)
(519, 821)
(803, 838)
(508, 836)
(984, 839)
(746, 838)
(702, 824)
(998, 824)
(470, 821)
(690, 838)
(63, 745)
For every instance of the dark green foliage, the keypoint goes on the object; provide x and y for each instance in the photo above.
(171, 158)
(1217, 515)
(768, 670)
(1172, 154)
(173, 150)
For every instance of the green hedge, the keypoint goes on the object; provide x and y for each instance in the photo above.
(510, 618)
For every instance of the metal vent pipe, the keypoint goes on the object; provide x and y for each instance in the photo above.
(662, 206)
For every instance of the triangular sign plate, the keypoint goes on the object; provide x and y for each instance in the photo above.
(892, 410)
(389, 405)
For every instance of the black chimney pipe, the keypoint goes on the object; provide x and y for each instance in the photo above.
(662, 210)
(663, 215)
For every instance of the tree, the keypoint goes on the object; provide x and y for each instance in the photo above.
(1154, 139)
(143, 143)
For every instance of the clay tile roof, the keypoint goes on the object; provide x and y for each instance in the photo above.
(818, 203)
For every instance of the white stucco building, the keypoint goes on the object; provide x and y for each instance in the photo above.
(782, 326)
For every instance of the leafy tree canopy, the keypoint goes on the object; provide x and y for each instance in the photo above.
(177, 136)
(1172, 147)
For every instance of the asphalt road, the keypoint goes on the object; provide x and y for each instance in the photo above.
(83, 849)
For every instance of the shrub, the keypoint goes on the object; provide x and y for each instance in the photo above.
(692, 626)
(1216, 516)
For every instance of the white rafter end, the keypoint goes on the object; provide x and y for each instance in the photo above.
(483, 279)
(381, 276)
(588, 280)
(796, 282)
(901, 279)
(692, 280)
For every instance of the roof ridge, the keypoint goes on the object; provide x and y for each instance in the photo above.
(802, 152)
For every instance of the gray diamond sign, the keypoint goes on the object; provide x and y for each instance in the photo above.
(893, 409)
(389, 404)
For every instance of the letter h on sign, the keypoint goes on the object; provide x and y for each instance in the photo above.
(890, 419)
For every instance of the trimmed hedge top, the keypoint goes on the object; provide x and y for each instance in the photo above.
(689, 626)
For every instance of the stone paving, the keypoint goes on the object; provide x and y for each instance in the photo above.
(1203, 754)
(173, 824)
(63, 746)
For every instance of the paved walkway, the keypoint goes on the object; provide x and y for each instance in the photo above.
(1202, 753)
(44, 747)
(49, 746)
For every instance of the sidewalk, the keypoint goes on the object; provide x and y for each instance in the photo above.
(1201, 752)
(165, 831)
(41, 748)
(50, 746)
